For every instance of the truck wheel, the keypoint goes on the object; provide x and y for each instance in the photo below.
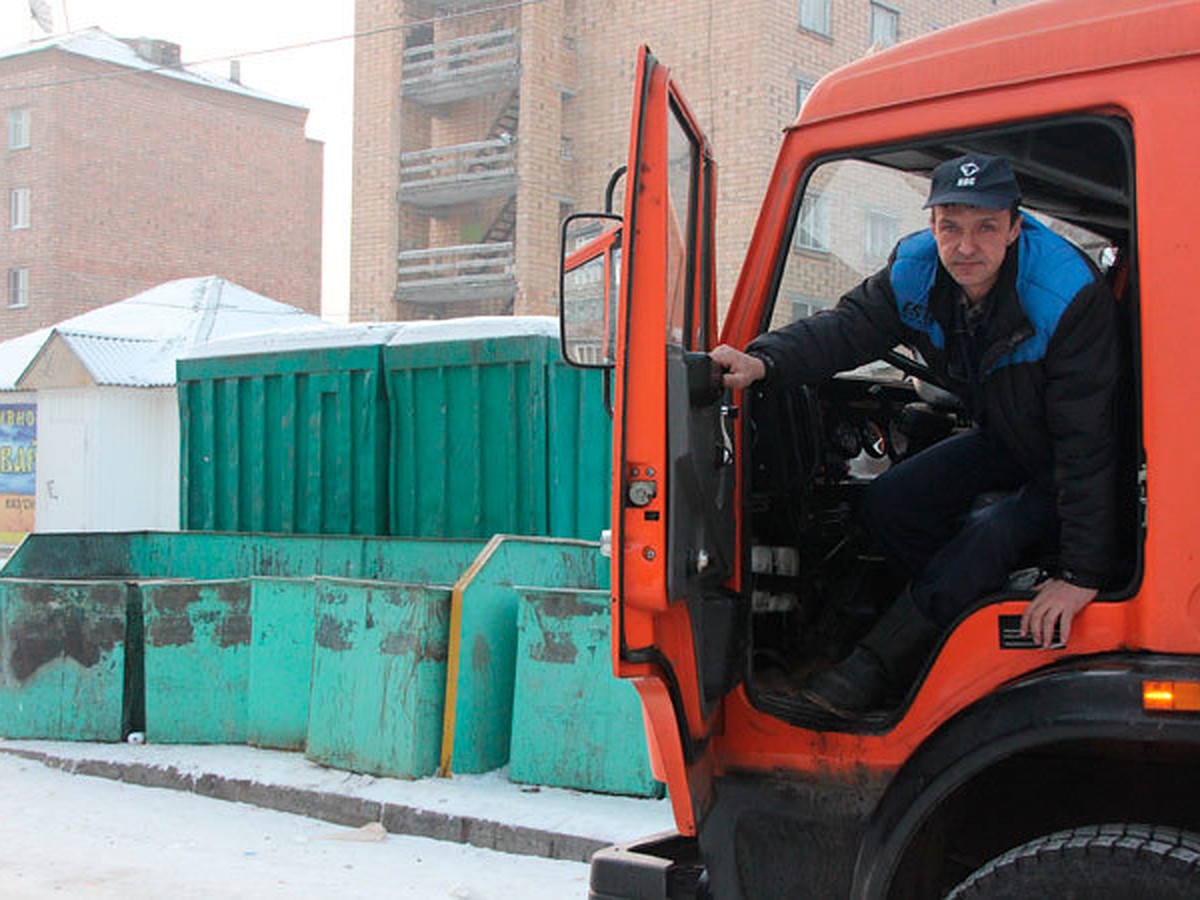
(1097, 862)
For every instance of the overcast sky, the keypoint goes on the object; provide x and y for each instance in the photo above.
(319, 77)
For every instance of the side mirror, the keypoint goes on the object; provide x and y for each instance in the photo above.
(589, 285)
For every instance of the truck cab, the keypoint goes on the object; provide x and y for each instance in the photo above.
(736, 555)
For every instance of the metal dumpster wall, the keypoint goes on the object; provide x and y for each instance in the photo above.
(496, 436)
(292, 442)
(205, 556)
(579, 436)
(468, 454)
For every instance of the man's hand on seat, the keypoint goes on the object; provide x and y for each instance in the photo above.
(1057, 603)
(741, 369)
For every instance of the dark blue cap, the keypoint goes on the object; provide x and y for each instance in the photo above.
(974, 180)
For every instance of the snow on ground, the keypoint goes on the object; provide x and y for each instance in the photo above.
(77, 836)
(491, 796)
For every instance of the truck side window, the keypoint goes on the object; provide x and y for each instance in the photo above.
(856, 208)
(682, 176)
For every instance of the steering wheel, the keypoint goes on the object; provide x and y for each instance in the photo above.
(915, 368)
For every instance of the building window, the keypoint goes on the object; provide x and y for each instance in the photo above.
(804, 306)
(885, 25)
(813, 231)
(18, 287)
(814, 15)
(18, 129)
(18, 208)
(882, 231)
(803, 89)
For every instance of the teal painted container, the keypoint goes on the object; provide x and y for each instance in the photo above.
(282, 622)
(230, 620)
(197, 658)
(379, 677)
(483, 648)
(289, 441)
(574, 724)
(199, 556)
(63, 653)
(228, 662)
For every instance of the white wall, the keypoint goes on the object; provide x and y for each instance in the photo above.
(108, 459)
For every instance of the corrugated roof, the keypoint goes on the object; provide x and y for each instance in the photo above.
(96, 43)
(16, 354)
(136, 342)
(132, 362)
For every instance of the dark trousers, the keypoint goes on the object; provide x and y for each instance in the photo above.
(920, 514)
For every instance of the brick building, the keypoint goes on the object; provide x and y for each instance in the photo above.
(122, 170)
(479, 123)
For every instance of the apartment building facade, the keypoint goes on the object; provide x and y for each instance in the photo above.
(121, 170)
(480, 123)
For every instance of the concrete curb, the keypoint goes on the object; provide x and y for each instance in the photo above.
(339, 809)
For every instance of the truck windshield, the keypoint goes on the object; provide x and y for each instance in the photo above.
(851, 215)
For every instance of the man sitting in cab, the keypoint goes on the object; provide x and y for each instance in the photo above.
(1020, 323)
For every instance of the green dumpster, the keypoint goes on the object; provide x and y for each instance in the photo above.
(491, 433)
(230, 625)
(483, 640)
(197, 661)
(379, 677)
(575, 725)
(286, 433)
(64, 646)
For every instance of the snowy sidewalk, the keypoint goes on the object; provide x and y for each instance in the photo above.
(481, 810)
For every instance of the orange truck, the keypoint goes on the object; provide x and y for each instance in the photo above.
(1008, 770)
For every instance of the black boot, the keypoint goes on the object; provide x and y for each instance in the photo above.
(883, 663)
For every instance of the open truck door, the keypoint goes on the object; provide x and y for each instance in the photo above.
(676, 624)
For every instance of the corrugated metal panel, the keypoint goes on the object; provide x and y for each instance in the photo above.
(136, 362)
(287, 442)
(468, 451)
(579, 431)
(456, 429)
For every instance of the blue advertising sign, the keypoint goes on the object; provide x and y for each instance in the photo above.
(18, 448)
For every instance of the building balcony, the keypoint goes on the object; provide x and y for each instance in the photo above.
(472, 66)
(449, 274)
(462, 173)
(445, 6)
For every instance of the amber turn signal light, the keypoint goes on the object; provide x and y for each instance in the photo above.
(1171, 696)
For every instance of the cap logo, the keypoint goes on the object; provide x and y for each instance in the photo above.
(969, 171)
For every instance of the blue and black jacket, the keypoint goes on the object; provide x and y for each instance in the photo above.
(1047, 376)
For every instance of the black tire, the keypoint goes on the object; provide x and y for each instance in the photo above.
(1098, 862)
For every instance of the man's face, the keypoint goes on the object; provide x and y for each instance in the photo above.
(972, 242)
